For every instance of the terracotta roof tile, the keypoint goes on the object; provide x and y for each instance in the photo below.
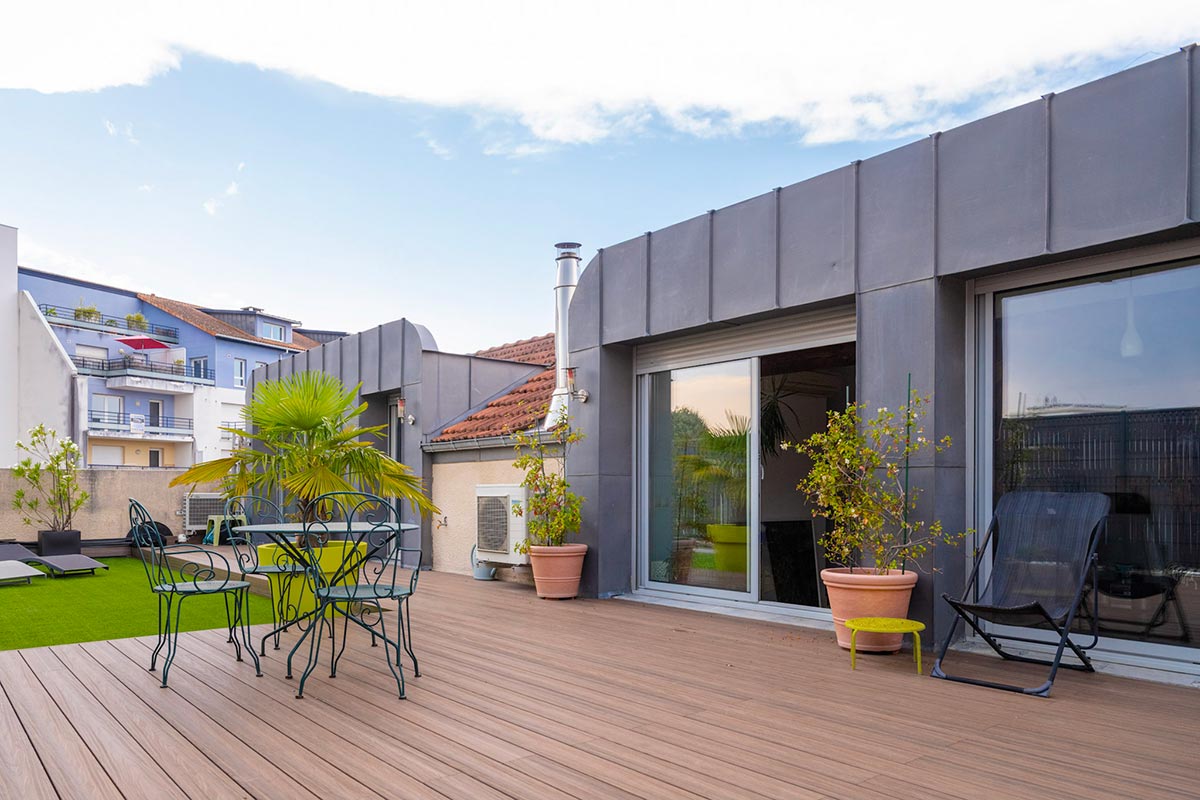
(520, 409)
(538, 350)
(209, 324)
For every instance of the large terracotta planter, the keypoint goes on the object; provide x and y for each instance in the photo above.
(729, 547)
(866, 593)
(556, 570)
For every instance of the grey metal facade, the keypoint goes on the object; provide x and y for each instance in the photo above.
(1102, 167)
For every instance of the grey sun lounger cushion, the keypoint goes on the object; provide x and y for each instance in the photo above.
(59, 565)
(13, 571)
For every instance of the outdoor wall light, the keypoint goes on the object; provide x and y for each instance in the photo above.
(577, 394)
(407, 419)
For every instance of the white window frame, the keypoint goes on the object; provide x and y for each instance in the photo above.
(239, 373)
(980, 376)
(269, 327)
(202, 363)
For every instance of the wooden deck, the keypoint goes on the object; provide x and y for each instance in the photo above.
(585, 699)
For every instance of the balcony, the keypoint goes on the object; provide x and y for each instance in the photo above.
(86, 319)
(141, 368)
(122, 424)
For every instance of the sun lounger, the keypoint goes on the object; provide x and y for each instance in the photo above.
(14, 571)
(58, 565)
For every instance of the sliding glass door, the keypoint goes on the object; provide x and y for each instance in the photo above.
(700, 477)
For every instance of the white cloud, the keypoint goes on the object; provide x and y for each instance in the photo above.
(109, 125)
(129, 137)
(580, 72)
(232, 188)
(210, 206)
(36, 255)
(516, 149)
(241, 166)
(437, 148)
(146, 187)
(112, 129)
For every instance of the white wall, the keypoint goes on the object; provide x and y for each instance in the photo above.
(210, 407)
(47, 377)
(10, 389)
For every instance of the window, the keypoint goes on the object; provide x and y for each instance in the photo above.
(1096, 388)
(239, 372)
(155, 458)
(200, 367)
(155, 420)
(273, 331)
(91, 352)
(105, 408)
(108, 455)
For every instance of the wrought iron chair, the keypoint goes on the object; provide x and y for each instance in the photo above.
(281, 570)
(172, 584)
(372, 570)
(1043, 554)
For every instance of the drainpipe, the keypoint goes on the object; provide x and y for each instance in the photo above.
(564, 289)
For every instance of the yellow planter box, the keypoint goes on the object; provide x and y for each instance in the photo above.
(299, 592)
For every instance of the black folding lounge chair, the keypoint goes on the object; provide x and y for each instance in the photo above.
(58, 565)
(1043, 549)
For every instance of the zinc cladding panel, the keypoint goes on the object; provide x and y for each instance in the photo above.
(797, 332)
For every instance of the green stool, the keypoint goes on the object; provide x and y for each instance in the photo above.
(886, 625)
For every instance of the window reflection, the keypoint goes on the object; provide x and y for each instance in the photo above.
(1098, 389)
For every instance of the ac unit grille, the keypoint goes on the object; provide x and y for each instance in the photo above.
(199, 507)
(492, 523)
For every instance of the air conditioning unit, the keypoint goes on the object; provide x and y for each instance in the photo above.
(497, 528)
(198, 506)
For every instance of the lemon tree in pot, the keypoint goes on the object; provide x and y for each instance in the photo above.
(859, 483)
(552, 511)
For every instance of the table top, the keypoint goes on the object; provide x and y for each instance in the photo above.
(884, 625)
(330, 527)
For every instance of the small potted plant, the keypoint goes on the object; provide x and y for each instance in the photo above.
(86, 313)
(552, 511)
(136, 322)
(859, 483)
(50, 494)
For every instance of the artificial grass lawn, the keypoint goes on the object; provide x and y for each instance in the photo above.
(115, 604)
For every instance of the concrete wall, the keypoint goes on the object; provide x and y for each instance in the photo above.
(454, 483)
(10, 389)
(106, 514)
(48, 379)
(1100, 168)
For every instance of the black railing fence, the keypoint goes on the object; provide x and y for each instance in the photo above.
(134, 363)
(130, 324)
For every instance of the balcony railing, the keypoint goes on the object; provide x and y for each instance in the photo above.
(138, 423)
(94, 320)
(111, 367)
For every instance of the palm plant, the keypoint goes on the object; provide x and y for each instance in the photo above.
(301, 439)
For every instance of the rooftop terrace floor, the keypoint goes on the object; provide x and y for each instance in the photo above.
(587, 699)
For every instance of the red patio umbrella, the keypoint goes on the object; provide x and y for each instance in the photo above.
(139, 342)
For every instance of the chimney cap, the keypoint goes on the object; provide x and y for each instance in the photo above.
(568, 249)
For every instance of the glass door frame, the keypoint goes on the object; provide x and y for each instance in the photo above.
(753, 471)
(980, 373)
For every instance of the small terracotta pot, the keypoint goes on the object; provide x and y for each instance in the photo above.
(866, 593)
(556, 570)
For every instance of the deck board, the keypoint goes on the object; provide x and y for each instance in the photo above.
(521, 698)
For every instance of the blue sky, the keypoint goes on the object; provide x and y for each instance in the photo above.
(224, 179)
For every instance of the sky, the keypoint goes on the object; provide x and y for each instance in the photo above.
(346, 164)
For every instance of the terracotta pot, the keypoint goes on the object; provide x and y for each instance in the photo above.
(866, 593)
(729, 547)
(556, 570)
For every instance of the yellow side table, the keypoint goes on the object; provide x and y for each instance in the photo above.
(886, 625)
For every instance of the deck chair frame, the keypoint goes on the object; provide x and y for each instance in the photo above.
(962, 613)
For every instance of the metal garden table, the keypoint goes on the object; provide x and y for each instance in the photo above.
(287, 536)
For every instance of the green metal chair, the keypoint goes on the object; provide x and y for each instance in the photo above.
(281, 570)
(372, 571)
(173, 584)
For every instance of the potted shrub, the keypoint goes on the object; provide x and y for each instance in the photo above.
(86, 313)
(859, 483)
(136, 322)
(49, 494)
(552, 511)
